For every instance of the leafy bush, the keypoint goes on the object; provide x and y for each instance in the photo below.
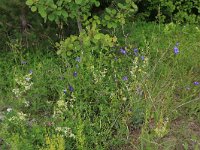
(181, 11)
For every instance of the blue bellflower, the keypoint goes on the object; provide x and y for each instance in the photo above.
(176, 50)
(123, 51)
(135, 51)
(75, 74)
(125, 78)
(78, 59)
(71, 89)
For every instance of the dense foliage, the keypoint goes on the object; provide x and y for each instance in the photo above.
(180, 11)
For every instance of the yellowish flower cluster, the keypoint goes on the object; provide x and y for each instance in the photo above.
(161, 128)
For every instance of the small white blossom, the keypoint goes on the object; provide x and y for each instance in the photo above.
(9, 109)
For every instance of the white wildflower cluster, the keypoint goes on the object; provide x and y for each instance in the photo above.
(134, 68)
(144, 66)
(60, 107)
(139, 67)
(99, 75)
(24, 84)
(65, 131)
(20, 116)
(64, 104)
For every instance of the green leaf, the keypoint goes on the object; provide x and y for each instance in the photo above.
(42, 12)
(107, 17)
(78, 2)
(51, 17)
(53, 6)
(120, 5)
(114, 25)
(114, 11)
(58, 13)
(33, 8)
(108, 10)
(69, 53)
(29, 2)
(64, 13)
(97, 3)
(59, 52)
(97, 36)
(109, 25)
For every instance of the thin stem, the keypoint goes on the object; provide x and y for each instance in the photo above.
(80, 28)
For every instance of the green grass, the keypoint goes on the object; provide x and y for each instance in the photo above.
(156, 108)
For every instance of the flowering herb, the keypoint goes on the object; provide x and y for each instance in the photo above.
(64, 91)
(125, 78)
(123, 51)
(176, 50)
(75, 74)
(71, 89)
(142, 57)
(135, 51)
(9, 109)
(23, 62)
(27, 78)
(31, 72)
(196, 83)
(78, 59)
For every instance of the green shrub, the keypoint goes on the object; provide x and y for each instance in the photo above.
(181, 11)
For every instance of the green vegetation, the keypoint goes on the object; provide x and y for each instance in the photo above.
(112, 83)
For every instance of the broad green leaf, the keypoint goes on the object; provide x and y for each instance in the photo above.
(78, 2)
(69, 53)
(114, 25)
(120, 5)
(33, 8)
(108, 10)
(97, 3)
(29, 2)
(42, 12)
(58, 13)
(107, 17)
(51, 17)
(64, 13)
(109, 25)
(114, 11)
(128, 1)
(59, 52)
(97, 36)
